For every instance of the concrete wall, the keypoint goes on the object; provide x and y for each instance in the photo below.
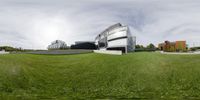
(113, 52)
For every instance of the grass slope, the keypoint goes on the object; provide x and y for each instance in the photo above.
(134, 76)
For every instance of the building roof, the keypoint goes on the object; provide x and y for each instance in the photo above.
(110, 28)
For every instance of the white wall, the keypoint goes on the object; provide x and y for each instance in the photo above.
(113, 52)
(118, 42)
(117, 35)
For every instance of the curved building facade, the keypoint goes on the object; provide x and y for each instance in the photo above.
(116, 37)
(57, 44)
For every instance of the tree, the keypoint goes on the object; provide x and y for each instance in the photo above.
(139, 46)
(8, 48)
(151, 46)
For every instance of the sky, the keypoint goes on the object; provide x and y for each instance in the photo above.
(34, 24)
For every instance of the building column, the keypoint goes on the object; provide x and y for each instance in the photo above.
(126, 51)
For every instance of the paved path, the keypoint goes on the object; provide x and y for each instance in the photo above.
(60, 52)
(181, 53)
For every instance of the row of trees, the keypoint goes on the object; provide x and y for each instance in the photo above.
(9, 48)
(14, 49)
(150, 47)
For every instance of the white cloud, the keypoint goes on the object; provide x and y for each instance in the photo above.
(35, 23)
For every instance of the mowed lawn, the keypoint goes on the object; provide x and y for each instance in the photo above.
(143, 75)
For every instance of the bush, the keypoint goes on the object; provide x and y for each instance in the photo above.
(193, 49)
(8, 48)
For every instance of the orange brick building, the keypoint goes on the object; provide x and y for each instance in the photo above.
(173, 46)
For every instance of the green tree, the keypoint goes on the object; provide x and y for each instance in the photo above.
(151, 46)
(139, 46)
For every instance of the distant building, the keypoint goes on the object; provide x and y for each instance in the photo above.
(173, 46)
(81, 42)
(84, 45)
(116, 37)
(3, 52)
(57, 44)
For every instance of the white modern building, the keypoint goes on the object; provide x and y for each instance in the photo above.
(57, 44)
(116, 37)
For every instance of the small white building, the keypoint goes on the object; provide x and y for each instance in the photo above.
(57, 44)
(3, 52)
(116, 37)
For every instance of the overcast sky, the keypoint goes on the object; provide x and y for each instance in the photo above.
(36, 23)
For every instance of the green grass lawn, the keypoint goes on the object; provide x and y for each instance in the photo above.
(96, 76)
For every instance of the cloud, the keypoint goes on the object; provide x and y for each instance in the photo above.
(35, 23)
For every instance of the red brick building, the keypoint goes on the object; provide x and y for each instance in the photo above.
(173, 46)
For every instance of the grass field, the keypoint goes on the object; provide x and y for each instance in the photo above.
(95, 76)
